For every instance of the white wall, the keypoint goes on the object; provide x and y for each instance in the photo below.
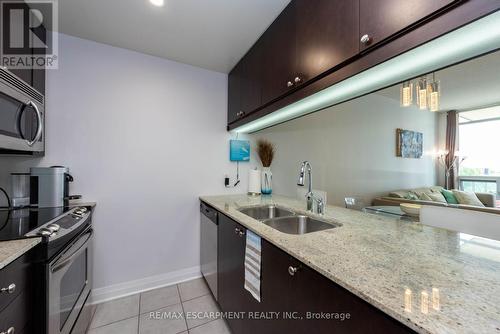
(144, 137)
(352, 149)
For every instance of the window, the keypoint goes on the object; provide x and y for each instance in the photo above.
(479, 142)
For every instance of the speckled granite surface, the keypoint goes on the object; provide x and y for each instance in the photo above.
(433, 280)
(11, 250)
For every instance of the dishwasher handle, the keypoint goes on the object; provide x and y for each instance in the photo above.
(209, 212)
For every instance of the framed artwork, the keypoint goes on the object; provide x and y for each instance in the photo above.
(409, 144)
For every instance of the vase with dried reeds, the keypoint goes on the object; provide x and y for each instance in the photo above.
(266, 151)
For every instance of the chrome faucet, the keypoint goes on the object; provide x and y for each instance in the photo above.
(320, 205)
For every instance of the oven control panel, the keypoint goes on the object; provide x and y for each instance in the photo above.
(62, 225)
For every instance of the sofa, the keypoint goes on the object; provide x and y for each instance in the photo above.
(432, 196)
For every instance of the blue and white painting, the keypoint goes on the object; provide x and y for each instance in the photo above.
(239, 150)
(409, 144)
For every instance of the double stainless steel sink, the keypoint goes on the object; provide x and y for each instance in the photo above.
(287, 221)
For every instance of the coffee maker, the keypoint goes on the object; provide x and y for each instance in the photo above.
(49, 186)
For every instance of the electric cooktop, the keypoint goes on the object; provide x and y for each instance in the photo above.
(15, 224)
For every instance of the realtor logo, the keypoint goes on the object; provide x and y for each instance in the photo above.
(28, 35)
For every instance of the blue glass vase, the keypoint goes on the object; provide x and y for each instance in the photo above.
(266, 181)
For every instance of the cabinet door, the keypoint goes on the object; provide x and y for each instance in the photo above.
(250, 96)
(234, 92)
(244, 84)
(38, 74)
(275, 289)
(327, 35)
(278, 55)
(380, 19)
(231, 270)
(314, 293)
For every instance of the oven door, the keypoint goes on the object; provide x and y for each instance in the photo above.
(21, 121)
(70, 276)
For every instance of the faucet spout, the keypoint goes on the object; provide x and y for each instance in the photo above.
(306, 167)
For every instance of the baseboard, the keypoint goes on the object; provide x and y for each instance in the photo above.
(115, 291)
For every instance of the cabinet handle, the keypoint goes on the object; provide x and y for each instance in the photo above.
(292, 270)
(240, 114)
(236, 230)
(10, 289)
(241, 233)
(11, 330)
(289, 84)
(297, 79)
(365, 39)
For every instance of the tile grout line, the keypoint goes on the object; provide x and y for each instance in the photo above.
(139, 315)
(114, 322)
(206, 294)
(91, 320)
(206, 323)
(182, 306)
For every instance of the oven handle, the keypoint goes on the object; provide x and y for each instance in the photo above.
(39, 127)
(64, 260)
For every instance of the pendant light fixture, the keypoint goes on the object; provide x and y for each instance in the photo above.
(434, 93)
(428, 93)
(422, 93)
(406, 94)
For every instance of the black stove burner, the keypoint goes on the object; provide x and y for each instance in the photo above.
(14, 224)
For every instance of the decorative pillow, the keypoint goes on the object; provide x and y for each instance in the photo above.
(437, 197)
(436, 189)
(467, 198)
(425, 197)
(449, 196)
(420, 191)
(411, 196)
(399, 194)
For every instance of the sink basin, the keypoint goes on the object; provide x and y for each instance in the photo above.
(299, 224)
(266, 212)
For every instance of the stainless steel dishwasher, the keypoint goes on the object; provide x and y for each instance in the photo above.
(208, 246)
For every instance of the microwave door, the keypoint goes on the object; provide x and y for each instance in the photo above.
(21, 125)
(21, 118)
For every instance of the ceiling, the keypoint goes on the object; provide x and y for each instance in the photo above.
(212, 34)
(469, 85)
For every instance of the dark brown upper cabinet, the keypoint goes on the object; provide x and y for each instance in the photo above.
(245, 83)
(35, 77)
(314, 44)
(326, 35)
(309, 38)
(278, 61)
(233, 92)
(380, 19)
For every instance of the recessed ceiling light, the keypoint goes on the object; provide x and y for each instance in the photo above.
(158, 3)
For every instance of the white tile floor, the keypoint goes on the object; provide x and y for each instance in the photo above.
(132, 315)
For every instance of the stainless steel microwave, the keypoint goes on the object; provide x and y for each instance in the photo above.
(22, 116)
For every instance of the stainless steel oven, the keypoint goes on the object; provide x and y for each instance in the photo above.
(22, 110)
(69, 283)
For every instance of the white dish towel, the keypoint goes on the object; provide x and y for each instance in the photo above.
(252, 264)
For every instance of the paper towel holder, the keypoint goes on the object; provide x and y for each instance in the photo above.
(254, 179)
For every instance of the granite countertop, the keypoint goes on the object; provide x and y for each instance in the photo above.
(396, 266)
(11, 250)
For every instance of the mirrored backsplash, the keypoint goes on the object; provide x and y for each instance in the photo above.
(355, 150)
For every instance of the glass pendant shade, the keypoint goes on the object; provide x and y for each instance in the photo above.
(434, 93)
(422, 93)
(406, 94)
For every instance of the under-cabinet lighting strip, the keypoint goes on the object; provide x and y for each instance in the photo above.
(472, 40)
